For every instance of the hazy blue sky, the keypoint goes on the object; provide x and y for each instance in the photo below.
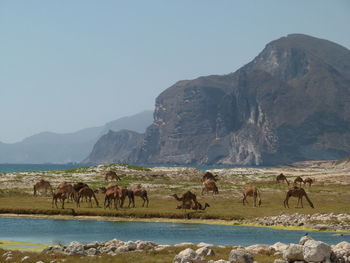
(67, 65)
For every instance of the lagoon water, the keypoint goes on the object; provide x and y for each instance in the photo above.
(60, 231)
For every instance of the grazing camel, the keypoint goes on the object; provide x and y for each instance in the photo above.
(113, 175)
(251, 191)
(112, 194)
(139, 191)
(209, 175)
(297, 192)
(210, 185)
(60, 194)
(42, 184)
(69, 190)
(309, 181)
(127, 193)
(281, 177)
(88, 193)
(298, 180)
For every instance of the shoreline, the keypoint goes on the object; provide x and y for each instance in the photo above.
(170, 220)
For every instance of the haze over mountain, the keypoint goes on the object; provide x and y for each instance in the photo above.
(50, 147)
(291, 103)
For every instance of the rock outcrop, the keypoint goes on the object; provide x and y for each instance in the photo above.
(291, 103)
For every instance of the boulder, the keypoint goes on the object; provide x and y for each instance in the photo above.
(205, 251)
(258, 249)
(240, 256)
(75, 248)
(188, 256)
(25, 258)
(293, 252)
(303, 239)
(92, 252)
(316, 251)
(280, 247)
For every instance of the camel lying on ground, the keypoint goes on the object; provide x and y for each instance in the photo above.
(88, 193)
(281, 177)
(210, 185)
(192, 205)
(209, 175)
(113, 175)
(297, 192)
(189, 200)
(42, 185)
(254, 192)
(139, 191)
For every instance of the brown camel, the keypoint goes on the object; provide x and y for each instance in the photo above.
(210, 185)
(209, 175)
(88, 193)
(60, 194)
(113, 175)
(193, 206)
(254, 192)
(188, 199)
(281, 177)
(69, 190)
(125, 192)
(309, 181)
(298, 180)
(139, 191)
(112, 194)
(42, 185)
(297, 192)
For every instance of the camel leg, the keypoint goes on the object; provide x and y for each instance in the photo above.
(254, 200)
(63, 202)
(78, 201)
(244, 199)
(301, 201)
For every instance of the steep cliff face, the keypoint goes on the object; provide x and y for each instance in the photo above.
(114, 147)
(291, 103)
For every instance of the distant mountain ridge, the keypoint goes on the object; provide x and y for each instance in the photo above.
(291, 103)
(49, 147)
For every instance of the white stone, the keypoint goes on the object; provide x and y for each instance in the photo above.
(303, 239)
(25, 258)
(240, 256)
(293, 252)
(259, 248)
(280, 247)
(202, 244)
(316, 251)
(205, 251)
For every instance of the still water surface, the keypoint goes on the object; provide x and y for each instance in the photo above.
(55, 231)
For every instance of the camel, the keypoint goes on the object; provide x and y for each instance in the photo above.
(209, 175)
(127, 193)
(188, 199)
(79, 186)
(281, 177)
(60, 194)
(251, 191)
(298, 180)
(191, 205)
(69, 190)
(210, 185)
(297, 192)
(113, 175)
(309, 181)
(87, 193)
(139, 191)
(112, 193)
(42, 184)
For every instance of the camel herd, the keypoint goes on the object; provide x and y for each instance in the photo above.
(189, 199)
(115, 195)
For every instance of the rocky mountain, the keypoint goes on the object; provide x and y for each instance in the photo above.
(49, 147)
(114, 147)
(291, 103)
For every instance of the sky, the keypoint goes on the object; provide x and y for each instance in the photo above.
(68, 65)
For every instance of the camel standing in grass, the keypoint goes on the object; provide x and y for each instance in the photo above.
(113, 175)
(42, 185)
(127, 193)
(69, 190)
(251, 191)
(298, 180)
(297, 192)
(210, 185)
(59, 194)
(112, 194)
(88, 193)
(309, 181)
(139, 191)
(281, 177)
(209, 175)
